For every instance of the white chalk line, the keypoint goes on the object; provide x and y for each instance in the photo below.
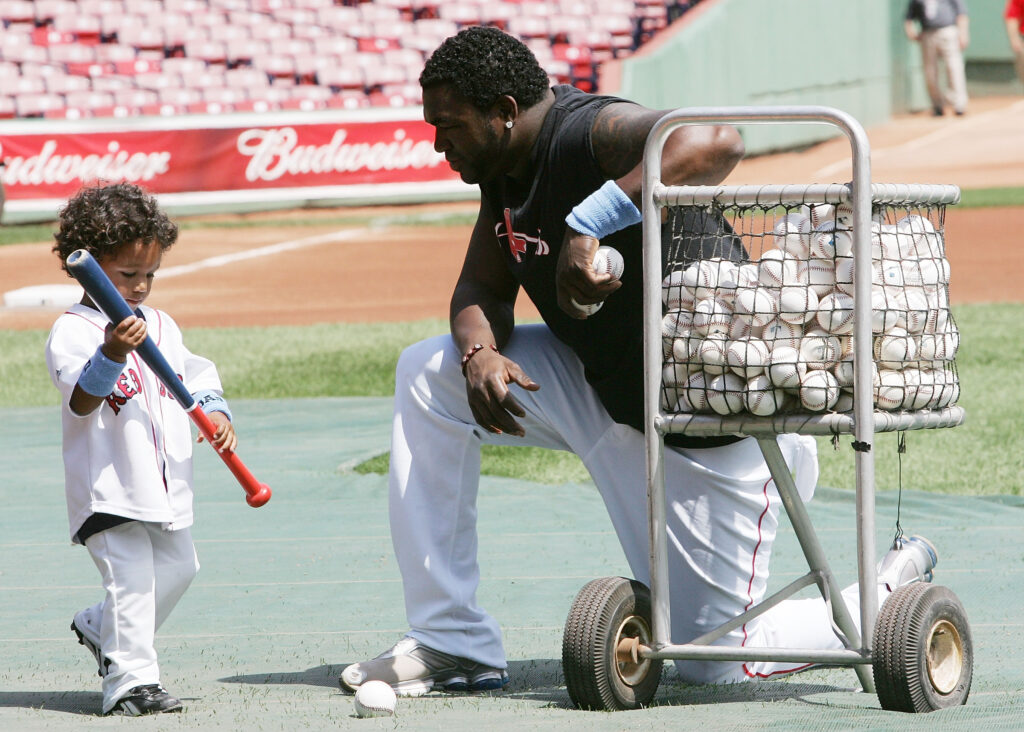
(271, 249)
(924, 141)
(59, 291)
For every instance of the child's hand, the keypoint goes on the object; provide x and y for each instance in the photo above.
(123, 338)
(224, 439)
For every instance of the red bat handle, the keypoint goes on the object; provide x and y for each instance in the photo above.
(256, 493)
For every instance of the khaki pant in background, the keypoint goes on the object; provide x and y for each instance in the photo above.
(943, 44)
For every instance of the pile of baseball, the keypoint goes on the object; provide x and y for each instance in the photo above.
(775, 334)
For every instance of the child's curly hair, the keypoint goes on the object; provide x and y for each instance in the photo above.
(99, 219)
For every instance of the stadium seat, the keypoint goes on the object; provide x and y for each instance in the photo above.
(8, 108)
(63, 83)
(36, 105)
(17, 11)
(47, 10)
(88, 99)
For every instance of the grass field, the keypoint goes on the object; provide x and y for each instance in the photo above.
(982, 457)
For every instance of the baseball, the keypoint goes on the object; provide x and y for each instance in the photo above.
(696, 391)
(820, 213)
(674, 294)
(747, 358)
(588, 309)
(843, 371)
(844, 275)
(776, 268)
(763, 398)
(675, 324)
(884, 315)
(819, 390)
(784, 367)
(780, 333)
(725, 394)
(792, 234)
(711, 315)
(702, 279)
(820, 275)
(891, 390)
(819, 350)
(835, 313)
(797, 304)
(756, 306)
(712, 353)
(608, 260)
(894, 349)
(726, 276)
(375, 699)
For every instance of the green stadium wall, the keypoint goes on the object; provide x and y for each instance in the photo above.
(851, 55)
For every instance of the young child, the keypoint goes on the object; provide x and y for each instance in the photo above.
(127, 445)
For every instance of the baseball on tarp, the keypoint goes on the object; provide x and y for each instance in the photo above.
(375, 699)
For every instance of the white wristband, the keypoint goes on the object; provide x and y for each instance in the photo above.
(603, 212)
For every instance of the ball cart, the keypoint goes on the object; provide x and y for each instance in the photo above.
(831, 301)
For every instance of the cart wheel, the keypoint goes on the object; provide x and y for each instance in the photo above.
(923, 653)
(608, 620)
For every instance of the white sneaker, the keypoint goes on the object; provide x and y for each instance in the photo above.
(911, 559)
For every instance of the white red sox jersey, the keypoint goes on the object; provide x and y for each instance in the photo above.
(131, 456)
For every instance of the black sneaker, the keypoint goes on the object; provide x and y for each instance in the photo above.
(102, 662)
(148, 699)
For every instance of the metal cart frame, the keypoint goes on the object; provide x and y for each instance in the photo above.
(863, 421)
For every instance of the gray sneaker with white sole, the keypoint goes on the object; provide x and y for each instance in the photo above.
(413, 669)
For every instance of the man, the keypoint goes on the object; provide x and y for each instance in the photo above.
(1014, 16)
(942, 29)
(542, 156)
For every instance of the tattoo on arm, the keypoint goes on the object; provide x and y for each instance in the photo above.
(618, 137)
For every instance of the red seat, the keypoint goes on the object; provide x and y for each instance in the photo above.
(86, 68)
(137, 66)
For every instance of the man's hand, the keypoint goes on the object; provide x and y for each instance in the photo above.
(488, 375)
(575, 278)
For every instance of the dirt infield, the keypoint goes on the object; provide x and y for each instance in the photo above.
(312, 274)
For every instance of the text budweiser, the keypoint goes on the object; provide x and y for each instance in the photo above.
(277, 152)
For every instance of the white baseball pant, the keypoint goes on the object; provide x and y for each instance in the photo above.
(145, 571)
(722, 507)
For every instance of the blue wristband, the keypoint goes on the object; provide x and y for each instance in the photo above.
(603, 212)
(100, 374)
(210, 401)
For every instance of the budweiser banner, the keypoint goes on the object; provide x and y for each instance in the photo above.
(227, 160)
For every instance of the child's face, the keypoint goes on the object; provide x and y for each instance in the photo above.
(131, 268)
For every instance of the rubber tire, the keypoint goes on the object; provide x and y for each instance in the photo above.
(593, 678)
(910, 620)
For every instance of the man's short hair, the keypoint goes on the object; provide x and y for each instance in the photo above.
(483, 64)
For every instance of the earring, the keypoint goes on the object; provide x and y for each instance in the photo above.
(508, 125)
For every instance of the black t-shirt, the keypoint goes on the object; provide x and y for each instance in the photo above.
(531, 225)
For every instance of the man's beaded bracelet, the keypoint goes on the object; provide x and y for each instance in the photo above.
(477, 347)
